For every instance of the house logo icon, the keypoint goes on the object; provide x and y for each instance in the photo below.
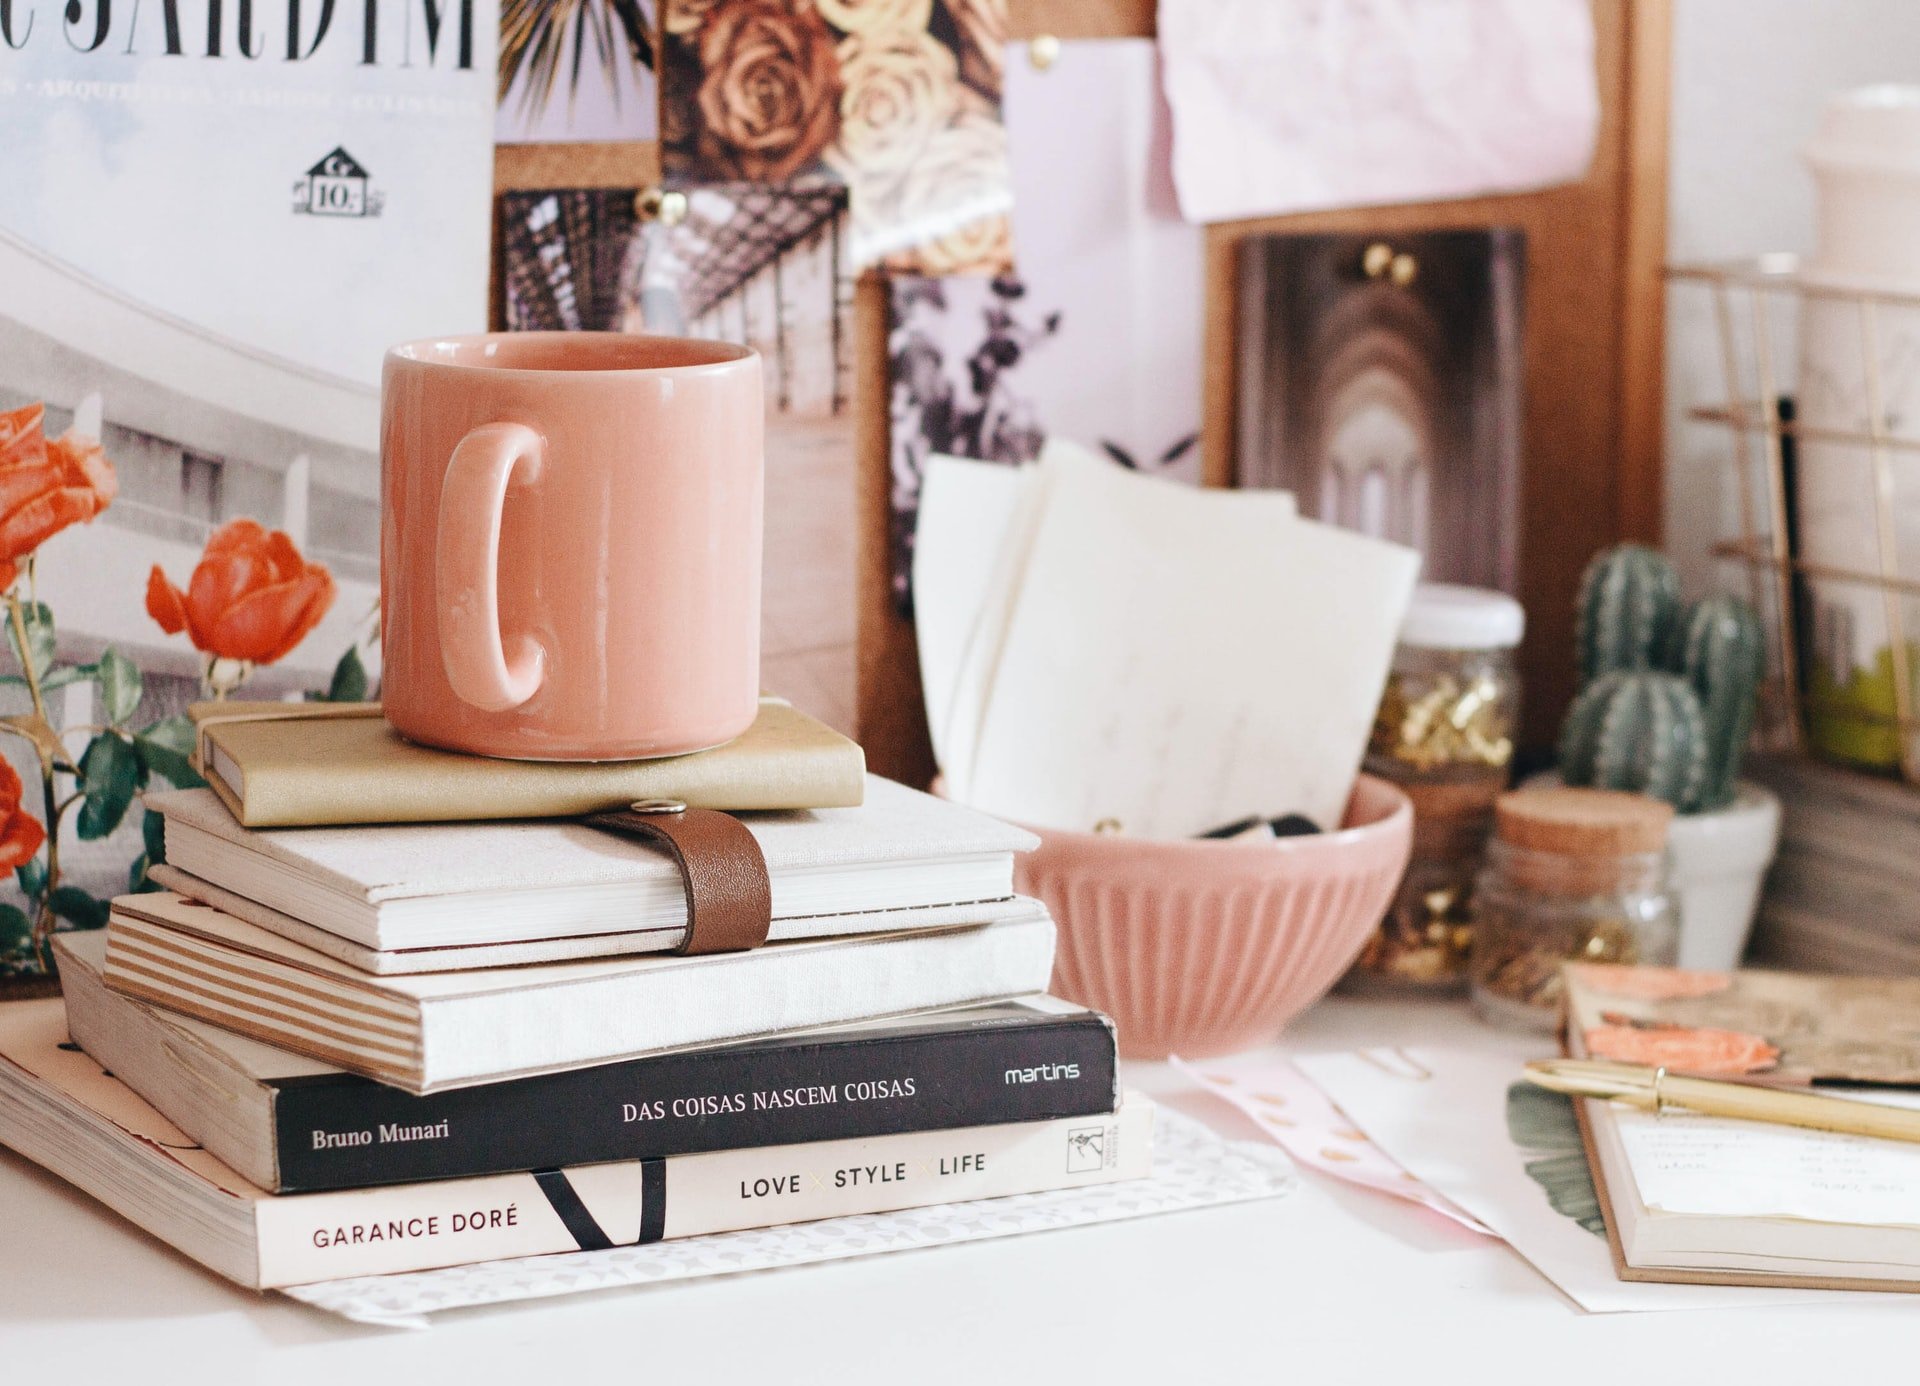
(337, 186)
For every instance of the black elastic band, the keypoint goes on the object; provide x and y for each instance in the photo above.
(653, 1200)
(572, 1212)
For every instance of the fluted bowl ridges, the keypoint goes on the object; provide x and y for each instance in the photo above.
(1198, 947)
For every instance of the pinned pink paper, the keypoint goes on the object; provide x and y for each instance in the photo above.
(1283, 1103)
(1297, 105)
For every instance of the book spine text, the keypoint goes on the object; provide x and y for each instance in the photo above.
(338, 1133)
(457, 1222)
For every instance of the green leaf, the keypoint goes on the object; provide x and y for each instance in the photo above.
(32, 875)
(120, 686)
(16, 933)
(137, 881)
(349, 683)
(79, 908)
(67, 673)
(153, 832)
(110, 774)
(166, 749)
(38, 618)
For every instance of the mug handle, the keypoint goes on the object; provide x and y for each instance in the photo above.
(467, 564)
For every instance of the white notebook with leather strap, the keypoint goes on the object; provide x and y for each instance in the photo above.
(451, 885)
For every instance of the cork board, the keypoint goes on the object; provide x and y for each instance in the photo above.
(1590, 469)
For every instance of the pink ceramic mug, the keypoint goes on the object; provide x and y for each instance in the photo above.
(570, 544)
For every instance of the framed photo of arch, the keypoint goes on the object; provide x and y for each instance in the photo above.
(1380, 380)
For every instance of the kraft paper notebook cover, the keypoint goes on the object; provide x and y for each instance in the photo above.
(285, 765)
(438, 1030)
(1709, 1200)
(60, 1110)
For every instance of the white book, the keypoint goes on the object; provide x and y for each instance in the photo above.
(450, 885)
(433, 1031)
(60, 1110)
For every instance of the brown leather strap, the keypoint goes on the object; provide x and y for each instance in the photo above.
(729, 898)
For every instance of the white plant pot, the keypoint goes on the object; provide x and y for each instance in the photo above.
(1716, 863)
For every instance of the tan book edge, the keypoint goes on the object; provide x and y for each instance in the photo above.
(310, 764)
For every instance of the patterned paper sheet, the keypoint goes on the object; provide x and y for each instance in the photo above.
(1287, 1106)
(1193, 1168)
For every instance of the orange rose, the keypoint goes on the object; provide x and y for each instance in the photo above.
(44, 487)
(252, 596)
(769, 98)
(20, 832)
(1683, 1049)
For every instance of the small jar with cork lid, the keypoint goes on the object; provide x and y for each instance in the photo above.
(1444, 734)
(1572, 875)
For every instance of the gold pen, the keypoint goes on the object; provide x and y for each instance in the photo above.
(1654, 1089)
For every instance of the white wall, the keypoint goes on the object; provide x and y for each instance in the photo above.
(1749, 77)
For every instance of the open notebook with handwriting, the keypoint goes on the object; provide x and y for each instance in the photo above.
(1689, 1197)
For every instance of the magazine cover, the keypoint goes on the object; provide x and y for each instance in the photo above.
(234, 211)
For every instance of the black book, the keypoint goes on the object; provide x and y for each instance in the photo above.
(293, 1125)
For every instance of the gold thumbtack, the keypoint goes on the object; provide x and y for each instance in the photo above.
(1043, 51)
(1403, 269)
(1376, 258)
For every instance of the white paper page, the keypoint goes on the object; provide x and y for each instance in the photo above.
(966, 511)
(1177, 658)
(1442, 1115)
(1692, 1164)
(980, 659)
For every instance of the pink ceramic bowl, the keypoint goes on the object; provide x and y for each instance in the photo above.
(1200, 948)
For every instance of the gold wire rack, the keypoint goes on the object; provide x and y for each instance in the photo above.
(1761, 313)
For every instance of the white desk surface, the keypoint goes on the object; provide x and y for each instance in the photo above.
(1332, 1284)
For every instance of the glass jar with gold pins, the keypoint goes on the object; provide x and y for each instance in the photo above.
(1444, 734)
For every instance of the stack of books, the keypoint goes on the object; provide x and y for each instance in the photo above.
(335, 1047)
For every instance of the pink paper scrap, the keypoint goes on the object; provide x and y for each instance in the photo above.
(1286, 1105)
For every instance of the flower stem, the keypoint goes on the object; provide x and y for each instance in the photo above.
(19, 622)
(43, 917)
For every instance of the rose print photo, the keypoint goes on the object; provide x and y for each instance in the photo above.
(899, 100)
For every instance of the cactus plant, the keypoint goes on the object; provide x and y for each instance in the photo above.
(1639, 730)
(1667, 695)
(1629, 607)
(1720, 654)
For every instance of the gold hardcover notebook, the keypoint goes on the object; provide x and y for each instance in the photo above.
(279, 765)
(1713, 1200)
